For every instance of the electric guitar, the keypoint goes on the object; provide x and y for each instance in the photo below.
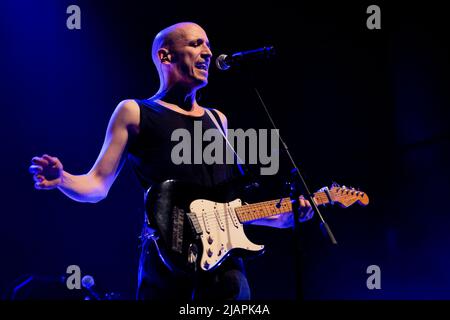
(197, 228)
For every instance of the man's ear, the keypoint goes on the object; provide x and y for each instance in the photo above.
(164, 55)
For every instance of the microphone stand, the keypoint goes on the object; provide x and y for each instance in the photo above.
(297, 182)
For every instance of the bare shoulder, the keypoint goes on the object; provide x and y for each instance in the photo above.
(127, 112)
(128, 108)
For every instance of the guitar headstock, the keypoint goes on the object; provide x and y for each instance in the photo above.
(347, 196)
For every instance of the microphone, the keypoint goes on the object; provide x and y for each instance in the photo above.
(224, 62)
(88, 283)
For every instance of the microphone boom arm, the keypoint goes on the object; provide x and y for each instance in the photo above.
(224, 62)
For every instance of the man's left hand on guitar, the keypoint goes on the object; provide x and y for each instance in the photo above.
(287, 220)
(306, 211)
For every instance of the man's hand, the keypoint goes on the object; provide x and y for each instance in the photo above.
(94, 185)
(286, 220)
(47, 172)
(306, 211)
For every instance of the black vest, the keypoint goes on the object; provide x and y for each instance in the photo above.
(150, 151)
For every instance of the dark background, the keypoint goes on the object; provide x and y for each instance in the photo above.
(365, 108)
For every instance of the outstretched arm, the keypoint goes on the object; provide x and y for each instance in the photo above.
(93, 186)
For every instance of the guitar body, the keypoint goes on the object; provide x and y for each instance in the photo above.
(196, 227)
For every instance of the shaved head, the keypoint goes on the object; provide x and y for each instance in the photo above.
(167, 37)
(181, 54)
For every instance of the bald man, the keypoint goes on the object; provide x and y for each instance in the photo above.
(140, 130)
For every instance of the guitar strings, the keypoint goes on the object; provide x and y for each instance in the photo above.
(265, 207)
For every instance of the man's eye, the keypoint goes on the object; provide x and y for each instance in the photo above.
(197, 43)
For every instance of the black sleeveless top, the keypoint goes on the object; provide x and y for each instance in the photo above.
(150, 151)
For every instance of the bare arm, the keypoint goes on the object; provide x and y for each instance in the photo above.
(93, 186)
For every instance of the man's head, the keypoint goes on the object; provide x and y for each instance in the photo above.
(182, 55)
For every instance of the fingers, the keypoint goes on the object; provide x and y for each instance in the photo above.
(52, 160)
(39, 161)
(49, 159)
(38, 178)
(35, 169)
(40, 186)
(45, 184)
(44, 162)
(304, 203)
(42, 168)
(306, 210)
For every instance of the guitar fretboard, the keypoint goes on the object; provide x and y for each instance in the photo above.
(266, 209)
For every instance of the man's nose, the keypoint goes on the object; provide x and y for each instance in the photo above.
(206, 52)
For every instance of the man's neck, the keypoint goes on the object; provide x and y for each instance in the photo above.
(184, 99)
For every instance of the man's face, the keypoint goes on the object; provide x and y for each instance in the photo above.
(191, 56)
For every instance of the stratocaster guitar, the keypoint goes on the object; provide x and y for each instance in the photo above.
(197, 228)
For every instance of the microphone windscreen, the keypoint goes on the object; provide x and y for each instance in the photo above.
(221, 63)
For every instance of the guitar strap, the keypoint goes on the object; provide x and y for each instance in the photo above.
(215, 118)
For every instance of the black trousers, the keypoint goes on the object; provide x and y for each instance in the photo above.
(157, 282)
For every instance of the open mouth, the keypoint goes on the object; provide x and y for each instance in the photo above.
(202, 66)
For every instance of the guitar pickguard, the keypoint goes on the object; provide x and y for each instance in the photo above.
(222, 232)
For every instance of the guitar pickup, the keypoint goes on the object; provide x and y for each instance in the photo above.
(219, 220)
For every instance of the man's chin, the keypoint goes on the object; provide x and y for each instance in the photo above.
(202, 82)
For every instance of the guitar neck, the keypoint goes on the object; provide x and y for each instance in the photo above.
(255, 211)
